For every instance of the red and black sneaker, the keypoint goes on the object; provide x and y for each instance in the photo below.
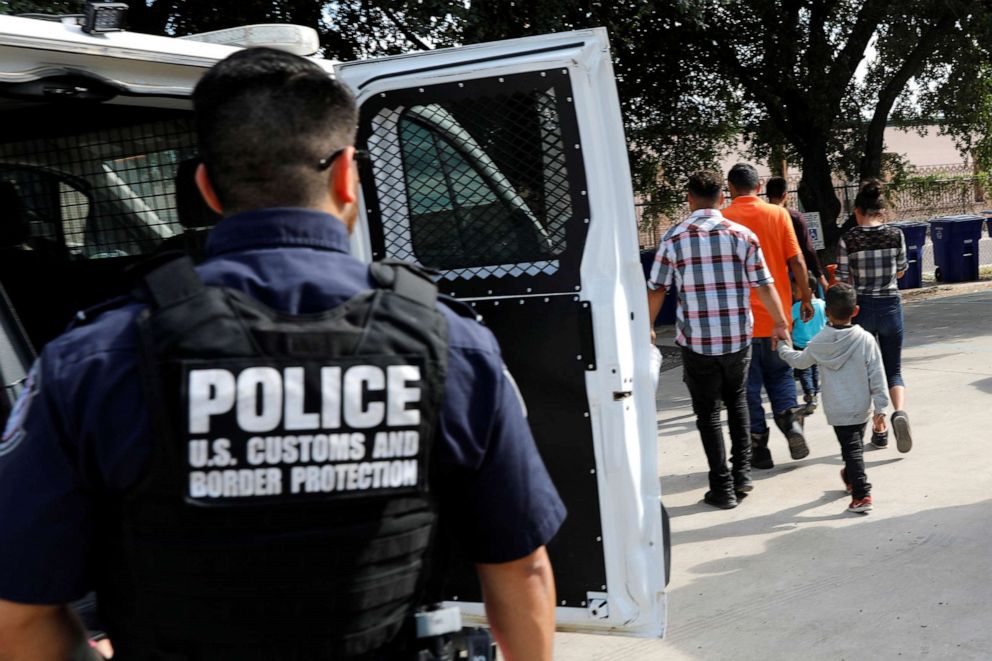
(860, 505)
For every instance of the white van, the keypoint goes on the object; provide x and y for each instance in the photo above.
(502, 165)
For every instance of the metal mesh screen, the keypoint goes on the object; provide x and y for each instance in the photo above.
(99, 193)
(475, 186)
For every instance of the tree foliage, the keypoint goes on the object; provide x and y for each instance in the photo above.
(34, 6)
(814, 81)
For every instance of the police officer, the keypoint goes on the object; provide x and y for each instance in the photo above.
(249, 460)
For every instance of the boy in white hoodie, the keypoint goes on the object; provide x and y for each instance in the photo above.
(852, 379)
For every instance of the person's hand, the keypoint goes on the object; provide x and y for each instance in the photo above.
(654, 338)
(824, 284)
(779, 332)
(878, 422)
(806, 310)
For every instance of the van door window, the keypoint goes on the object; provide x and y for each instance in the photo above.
(477, 182)
(458, 218)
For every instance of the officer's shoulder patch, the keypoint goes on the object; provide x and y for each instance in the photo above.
(83, 317)
(460, 308)
(13, 431)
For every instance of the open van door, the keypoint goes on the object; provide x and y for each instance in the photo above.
(504, 166)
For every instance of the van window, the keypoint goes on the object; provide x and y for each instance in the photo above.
(87, 191)
(457, 217)
(482, 188)
(99, 191)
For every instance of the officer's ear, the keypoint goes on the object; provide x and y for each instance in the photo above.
(344, 179)
(207, 189)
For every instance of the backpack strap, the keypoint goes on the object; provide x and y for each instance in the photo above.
(407, 280)
(168, 279)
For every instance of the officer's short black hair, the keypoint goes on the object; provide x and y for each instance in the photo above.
(264, 119)
(840, 301)
(744, 177)
(776, 187)
(705, 185)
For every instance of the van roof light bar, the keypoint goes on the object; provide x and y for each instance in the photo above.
(296, 39)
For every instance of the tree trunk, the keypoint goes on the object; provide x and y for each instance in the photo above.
(816, 192)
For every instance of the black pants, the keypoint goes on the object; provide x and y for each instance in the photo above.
(851, 439)
(712, 379)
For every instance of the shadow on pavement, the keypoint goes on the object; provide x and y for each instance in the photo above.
(872, 587)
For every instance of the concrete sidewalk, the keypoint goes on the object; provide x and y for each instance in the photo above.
(790, 574)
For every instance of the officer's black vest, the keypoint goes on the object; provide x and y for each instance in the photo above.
(286, 512)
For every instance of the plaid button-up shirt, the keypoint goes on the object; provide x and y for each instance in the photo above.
(714, 262)
(869, 257)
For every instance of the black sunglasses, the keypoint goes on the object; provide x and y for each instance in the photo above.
(361, 157)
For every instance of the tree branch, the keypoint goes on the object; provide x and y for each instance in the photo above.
(846, 63)
(871, 162)
(409, 34)
(818, 52)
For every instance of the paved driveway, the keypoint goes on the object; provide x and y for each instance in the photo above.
(790, 575)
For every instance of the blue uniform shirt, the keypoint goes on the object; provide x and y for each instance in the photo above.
(80, 431)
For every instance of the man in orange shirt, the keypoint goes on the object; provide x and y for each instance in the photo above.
(773, 227)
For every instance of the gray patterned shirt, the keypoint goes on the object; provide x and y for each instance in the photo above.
(869, 257)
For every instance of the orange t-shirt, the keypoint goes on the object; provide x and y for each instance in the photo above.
(773, 227)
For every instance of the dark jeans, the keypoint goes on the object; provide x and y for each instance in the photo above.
(882, 317)
(809, 379)
(712, 379)
(851, 439)
(770, 371)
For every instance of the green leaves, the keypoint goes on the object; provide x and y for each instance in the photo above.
(813, 80)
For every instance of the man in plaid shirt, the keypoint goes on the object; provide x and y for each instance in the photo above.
(715, 263)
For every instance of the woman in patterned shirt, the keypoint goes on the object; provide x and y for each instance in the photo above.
(872, 256)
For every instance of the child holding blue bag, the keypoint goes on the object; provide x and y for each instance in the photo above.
(802, 333)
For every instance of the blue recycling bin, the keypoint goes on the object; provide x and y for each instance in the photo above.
(955, 247)
(667, 314)
(915, 234)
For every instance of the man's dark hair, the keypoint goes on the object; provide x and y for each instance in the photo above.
(840, 300)
(705, 185)
(265, 118)
(744, 178)
(776, 188)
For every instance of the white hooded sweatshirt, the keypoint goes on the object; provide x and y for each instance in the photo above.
(851, 373)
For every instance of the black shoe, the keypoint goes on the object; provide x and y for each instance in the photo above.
(791, 425)
(743, 484)
(900, 426)
(761, 456)
(810, 405)
(880, 439)
(725, 501)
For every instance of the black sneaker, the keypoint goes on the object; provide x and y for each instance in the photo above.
(847, 485)
(880, 439)
(900, 426)
(810, 405)
(743, 485)
(725, 501)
